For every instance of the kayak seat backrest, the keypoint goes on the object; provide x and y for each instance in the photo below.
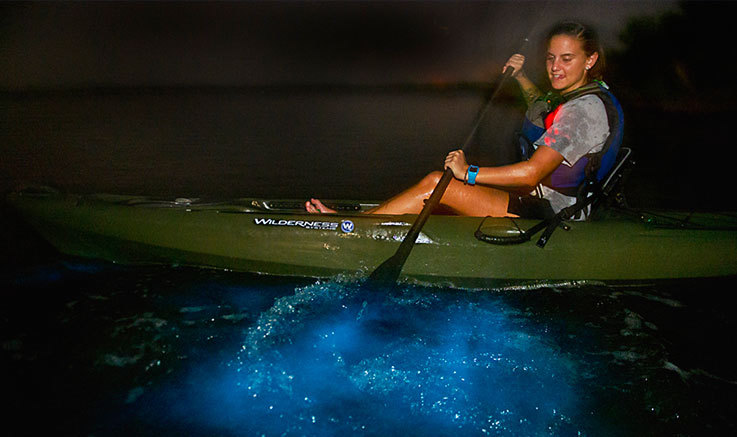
(591, 195)
(623, 157)
(591, 192)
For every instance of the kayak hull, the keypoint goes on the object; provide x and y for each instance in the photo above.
(278, 238)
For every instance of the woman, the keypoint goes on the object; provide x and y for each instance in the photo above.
(578, 127)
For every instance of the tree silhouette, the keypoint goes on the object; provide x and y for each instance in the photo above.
(683, 60)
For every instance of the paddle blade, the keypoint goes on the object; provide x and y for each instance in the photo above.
(387, 273)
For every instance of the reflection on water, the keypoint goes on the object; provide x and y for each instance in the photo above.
(184, 351)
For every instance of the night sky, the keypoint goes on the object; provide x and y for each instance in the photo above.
(57, 45)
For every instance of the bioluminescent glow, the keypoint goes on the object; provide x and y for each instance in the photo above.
(170, 351)
(331, 359)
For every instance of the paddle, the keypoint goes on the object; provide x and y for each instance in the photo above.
(388, 272)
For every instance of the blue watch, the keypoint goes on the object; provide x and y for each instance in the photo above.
(472, 172)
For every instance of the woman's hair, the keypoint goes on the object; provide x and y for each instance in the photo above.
(590, 39)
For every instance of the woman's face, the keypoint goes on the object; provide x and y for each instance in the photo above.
(567, 63)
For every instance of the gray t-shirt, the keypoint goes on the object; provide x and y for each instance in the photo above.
(580, 127)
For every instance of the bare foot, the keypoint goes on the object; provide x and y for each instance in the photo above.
(315, 206)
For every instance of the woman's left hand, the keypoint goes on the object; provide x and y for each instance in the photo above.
(456, 162)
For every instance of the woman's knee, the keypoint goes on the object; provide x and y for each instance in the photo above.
(431, 179)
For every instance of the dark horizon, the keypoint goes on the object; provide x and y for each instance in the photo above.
(153, 44)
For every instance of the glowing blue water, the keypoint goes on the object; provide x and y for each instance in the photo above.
(317, 362)
(191, 352)
(332, 359)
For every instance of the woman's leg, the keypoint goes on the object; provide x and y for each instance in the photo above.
(472, 200)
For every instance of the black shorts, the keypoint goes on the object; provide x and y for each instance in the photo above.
(530, 207)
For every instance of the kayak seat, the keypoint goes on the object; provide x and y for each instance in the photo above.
(592, 196)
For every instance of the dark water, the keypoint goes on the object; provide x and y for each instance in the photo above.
(95, 349)
(239, 142)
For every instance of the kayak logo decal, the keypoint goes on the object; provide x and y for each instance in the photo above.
(347, 226)
(305, 224)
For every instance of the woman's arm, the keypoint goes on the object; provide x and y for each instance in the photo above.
(529, 90)
(524, 174)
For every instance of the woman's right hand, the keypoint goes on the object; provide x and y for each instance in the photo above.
(516, 61)
(456, 162)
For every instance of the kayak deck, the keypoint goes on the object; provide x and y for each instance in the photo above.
(278, 237)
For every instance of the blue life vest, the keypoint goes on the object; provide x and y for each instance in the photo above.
(596, 165)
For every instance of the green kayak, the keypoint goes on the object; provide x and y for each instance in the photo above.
(279, 238)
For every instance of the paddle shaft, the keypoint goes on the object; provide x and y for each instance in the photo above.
(388, 272)
(480, 116)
